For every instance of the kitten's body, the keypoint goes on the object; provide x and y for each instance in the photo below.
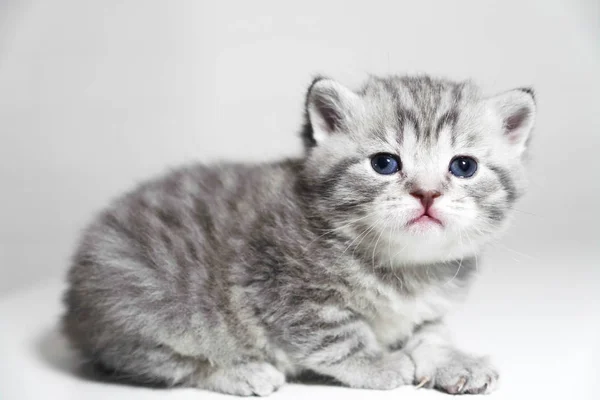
(232, 277)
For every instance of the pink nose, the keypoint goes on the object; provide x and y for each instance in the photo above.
(426, 197)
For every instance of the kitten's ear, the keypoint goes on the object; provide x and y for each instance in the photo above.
(516, 109)
(328, 108)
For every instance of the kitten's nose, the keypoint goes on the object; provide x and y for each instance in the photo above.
(426, 197)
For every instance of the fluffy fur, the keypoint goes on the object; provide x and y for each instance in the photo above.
(235, 277)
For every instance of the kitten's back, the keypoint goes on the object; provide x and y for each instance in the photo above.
(157, 254)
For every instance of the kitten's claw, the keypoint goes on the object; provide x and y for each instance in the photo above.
(459, 386)
(423, 382)
(460, 373)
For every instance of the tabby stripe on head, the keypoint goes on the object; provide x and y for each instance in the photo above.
(434, 104)
(366, 198)
(495, 213)
(448, 119)
(406, 115)
(414, 89)
(336, 173)
(506, 182)
(457, 93)
(392, 91)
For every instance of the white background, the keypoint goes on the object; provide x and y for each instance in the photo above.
(97, 95)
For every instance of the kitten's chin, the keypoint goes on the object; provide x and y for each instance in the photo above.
(429, 242)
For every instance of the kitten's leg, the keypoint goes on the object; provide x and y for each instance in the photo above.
(146, 364)
(351, 354)
(440, 365)
(140, 362)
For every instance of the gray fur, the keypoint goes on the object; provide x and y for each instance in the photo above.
(233, 277)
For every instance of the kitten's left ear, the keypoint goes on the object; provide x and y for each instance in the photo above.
(516, 109)
(329, 108)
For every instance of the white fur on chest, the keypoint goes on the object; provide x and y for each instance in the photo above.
(397, 315)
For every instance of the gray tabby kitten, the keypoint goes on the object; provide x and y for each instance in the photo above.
(343, 262)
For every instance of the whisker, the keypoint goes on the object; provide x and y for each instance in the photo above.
(525, 212)
(456, 273)
(460, 263)
(367, 233)
(346, 224)
(363, 234)
(517, 252)
(374, 249)
(396, 227)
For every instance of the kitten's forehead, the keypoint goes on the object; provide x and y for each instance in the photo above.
(424, 94)
(421, 107)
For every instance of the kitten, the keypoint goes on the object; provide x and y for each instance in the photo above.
(343, 263)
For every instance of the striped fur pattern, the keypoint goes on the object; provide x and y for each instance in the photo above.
(236, 277)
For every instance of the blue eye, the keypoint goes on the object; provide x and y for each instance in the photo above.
(463, 167)
(385, 164)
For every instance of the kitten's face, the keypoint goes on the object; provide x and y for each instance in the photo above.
(417, 170)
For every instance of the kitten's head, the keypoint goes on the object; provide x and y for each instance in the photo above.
(416, 169)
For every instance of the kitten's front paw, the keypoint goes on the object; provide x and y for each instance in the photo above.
(460, 374)
(396, 370)
(252, 379)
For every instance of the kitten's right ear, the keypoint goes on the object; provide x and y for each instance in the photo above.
(516, 109)
(328, 108)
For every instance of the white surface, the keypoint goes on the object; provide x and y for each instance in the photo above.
(539, 324)
(95, 95)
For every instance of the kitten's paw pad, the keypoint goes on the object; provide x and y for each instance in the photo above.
(466, 375)
(251, 379)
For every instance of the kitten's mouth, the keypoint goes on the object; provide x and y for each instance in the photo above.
(424, 219)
